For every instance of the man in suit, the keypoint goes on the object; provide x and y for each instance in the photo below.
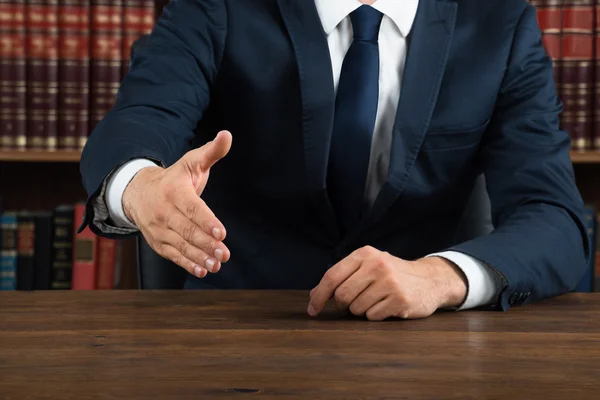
(350, 135)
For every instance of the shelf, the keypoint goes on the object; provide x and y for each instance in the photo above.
(40, 156)
(588, 157)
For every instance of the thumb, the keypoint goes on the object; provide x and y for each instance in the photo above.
(206, 156)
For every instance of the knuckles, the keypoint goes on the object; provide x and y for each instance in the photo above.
(341, 297)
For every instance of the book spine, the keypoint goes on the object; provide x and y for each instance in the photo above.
(62, 248)
(107, 251)
(578, 71)
(8, 251)
(83, 117)
(73, 74)
(25, 251)
(36, 74)
(597, 286)
(12, 75)
(596, 129)
(106, 38)
(84, 254)
(43, 250)
(51, 61)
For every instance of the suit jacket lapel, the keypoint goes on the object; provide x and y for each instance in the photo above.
(428, 48)
(318, 100)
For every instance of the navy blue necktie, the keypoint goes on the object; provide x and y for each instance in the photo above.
(354, 122)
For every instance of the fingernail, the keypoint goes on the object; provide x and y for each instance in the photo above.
(198, 271)
(311, 310)
(216, 233)
(210, 263)
(219, 254)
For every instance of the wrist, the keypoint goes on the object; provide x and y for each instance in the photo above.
(136, 187)
(449, 281)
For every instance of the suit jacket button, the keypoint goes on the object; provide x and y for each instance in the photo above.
(514, 298)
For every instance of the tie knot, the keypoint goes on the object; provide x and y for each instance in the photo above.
(365, 23)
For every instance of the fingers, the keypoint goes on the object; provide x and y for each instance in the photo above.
(196, 211)
(368, 298)
(191, 252)
(380, 310)
(333, 278)
(353, 287)
(206, 156)
(193, 235)
(171, 253)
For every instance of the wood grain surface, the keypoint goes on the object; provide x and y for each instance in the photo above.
(241, 344)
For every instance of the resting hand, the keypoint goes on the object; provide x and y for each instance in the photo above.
(378, 285)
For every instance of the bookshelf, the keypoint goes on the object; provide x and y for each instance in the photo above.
(39, 156)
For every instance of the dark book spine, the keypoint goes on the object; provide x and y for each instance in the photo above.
(25, 251)
(597, 286)
(578, 71)
(73, 74)
(596, 129)
(106, 37)
(85, 255)
(12, 75)
(8, 251)
(43, 250)
(62, 248)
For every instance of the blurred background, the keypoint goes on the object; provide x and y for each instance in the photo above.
(61, 63)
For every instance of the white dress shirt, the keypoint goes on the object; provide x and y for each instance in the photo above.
(399, 15)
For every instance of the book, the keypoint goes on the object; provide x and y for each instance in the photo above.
(577, 88)
(43, 250)
(25, 250)
(13, 107)
(8, 251)
(62, 247)
(106, 48)
(74, 70)
(84, 254)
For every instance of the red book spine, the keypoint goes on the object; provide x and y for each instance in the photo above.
(51, 59)
(13, 105)
(138, 20)
(107, 252)
(36, 74)
(84, 254)
(578, 71)
(73, 73)
(106, 57)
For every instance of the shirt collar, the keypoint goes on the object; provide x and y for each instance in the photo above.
(401, 12)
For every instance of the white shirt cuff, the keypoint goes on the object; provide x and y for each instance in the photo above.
(483, 287)
(117, 183)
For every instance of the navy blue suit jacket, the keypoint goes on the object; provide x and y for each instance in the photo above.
(477, 97)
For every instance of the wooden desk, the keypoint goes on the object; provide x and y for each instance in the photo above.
(214, 345)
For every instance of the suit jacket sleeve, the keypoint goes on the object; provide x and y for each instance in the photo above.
(539, 246)
(162, 98)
